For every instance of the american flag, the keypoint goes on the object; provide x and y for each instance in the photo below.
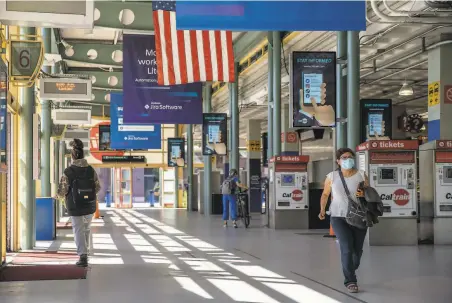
(187, 56)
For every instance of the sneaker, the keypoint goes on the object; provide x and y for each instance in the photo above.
(225, 224)
(235, 225)
(83, 261)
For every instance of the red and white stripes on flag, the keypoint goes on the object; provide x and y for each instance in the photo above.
(187, 56)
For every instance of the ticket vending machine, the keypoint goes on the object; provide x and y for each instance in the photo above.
(391, 168)
(435, 167)
(288, 192)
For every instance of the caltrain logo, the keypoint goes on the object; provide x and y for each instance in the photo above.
(448, 196)
(296, 195)
(400, 197)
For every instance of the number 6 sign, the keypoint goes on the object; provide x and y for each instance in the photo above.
(26, 59)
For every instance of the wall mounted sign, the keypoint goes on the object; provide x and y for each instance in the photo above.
(146, 101)
(176, 152)
(414, 123)
(123, 159)
(433, 94)
(65, 89)
(26, 59)
(253, 145)
(215, 138)
(447, 94)
(94, 143)
(131, 136)
(376, 119)
(271, 15)
(104, 137)
(264, 139)
(312, 89)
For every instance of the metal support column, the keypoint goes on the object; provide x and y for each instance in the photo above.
(63, 167)
(341, 106)
(46, 124)
(353, 122)
(56, 169)
(276, 93)
(176, 170)
(207, 105)
(270, 96)
(231, 94)
(235, 130)
(190, 167)
(27, 184)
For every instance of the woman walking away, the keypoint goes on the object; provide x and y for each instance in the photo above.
(79, 186)
(351, 238)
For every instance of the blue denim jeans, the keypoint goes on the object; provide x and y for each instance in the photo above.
(351, 242)
(229, 201)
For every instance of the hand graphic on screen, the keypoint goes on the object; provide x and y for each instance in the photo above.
(180, 162)
(218, 147)
(324, 114)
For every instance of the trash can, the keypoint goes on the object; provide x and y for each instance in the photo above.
(45, 219)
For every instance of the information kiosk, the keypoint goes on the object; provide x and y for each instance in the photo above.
(288, 192)
(391, 168)
(435, 167)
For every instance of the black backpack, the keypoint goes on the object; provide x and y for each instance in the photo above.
(83, 187)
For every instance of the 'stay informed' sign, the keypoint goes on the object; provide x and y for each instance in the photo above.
(146, 101)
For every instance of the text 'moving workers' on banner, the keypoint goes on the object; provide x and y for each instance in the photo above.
(147, 102)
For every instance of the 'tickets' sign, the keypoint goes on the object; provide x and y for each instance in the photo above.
(388, 145)
(401, 197)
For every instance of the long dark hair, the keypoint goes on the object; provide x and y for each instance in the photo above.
(77, 149)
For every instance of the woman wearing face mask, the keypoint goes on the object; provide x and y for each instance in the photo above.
(351, 239)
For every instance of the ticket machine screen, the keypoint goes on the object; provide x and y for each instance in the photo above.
(387, 175)
(288, 180)
(447, 174)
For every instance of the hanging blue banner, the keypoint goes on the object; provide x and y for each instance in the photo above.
(314, 15)
(146, 101)
(131, 136)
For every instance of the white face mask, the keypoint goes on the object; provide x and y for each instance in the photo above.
(348, 163)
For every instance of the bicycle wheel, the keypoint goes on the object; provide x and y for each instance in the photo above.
(245, 216)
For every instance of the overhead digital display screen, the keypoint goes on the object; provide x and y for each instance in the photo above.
(214, 139)
(65, 88)
(313, 89)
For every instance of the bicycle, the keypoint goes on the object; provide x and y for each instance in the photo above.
(242, 208)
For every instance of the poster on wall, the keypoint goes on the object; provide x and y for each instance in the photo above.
(131, 136)
(214, 129)
(312, 89)
(264, 149)
(147, 102)
(176, 152)
(376, 119)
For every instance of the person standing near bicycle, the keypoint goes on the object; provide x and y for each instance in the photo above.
(229, 190)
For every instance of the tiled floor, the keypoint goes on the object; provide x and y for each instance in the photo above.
(169, 256)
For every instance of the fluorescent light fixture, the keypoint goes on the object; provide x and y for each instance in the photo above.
(406, 90)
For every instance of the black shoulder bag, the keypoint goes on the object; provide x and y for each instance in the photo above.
(356, 213)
